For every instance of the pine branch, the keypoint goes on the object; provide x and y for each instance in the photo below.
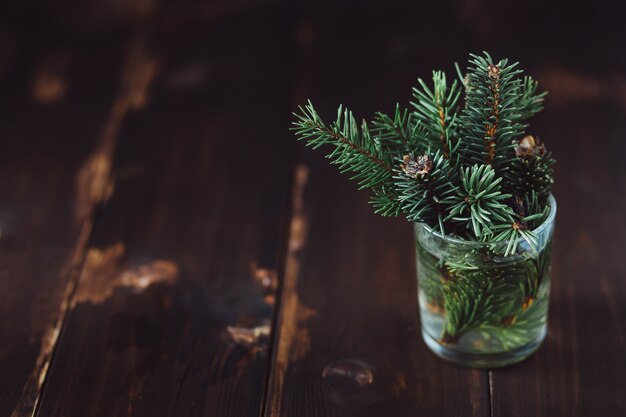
(530, 210)
(462, 172)
(386, 201)
(481, 204)
(399, 135)
(472, 298)
(426, 188)
(528, 101)
(491, 118)
(354, 149)
(471, 174)
(368, 154)
(437, 110)
(484, 209)
(531, 171)
(517, 330)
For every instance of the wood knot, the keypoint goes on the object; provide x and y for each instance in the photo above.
(355, 370)
(350, 382)
(249, 336)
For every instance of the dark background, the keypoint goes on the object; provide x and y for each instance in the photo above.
(167, 248)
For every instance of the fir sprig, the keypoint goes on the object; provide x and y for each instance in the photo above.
(472, 298)
(426, 188)
(481, 203)
(491, 119)
(531, 170)
(460, 161)
(529, 102)
(437, 110)
(479, 158)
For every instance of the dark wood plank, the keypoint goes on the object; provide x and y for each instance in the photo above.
(56, 97)
(581, 368)
(173, 312)
(349, 340)
(348, 335)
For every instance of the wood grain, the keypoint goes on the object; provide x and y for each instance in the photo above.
(580, 369)
(348, 334)
(164, 251)
(48, 139)
(173, 312)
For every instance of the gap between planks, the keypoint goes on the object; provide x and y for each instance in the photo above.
(286, 325)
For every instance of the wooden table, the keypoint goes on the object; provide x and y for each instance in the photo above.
(167, 248)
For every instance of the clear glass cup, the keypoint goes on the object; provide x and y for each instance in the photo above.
(479, 308)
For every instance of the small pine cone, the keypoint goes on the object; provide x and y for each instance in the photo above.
(529, 147)
(416, 166)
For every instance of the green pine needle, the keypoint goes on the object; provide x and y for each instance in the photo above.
(472, 132)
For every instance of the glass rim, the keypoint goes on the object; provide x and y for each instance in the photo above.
(549, 220)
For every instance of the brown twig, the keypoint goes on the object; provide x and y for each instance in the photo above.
(351, 145)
